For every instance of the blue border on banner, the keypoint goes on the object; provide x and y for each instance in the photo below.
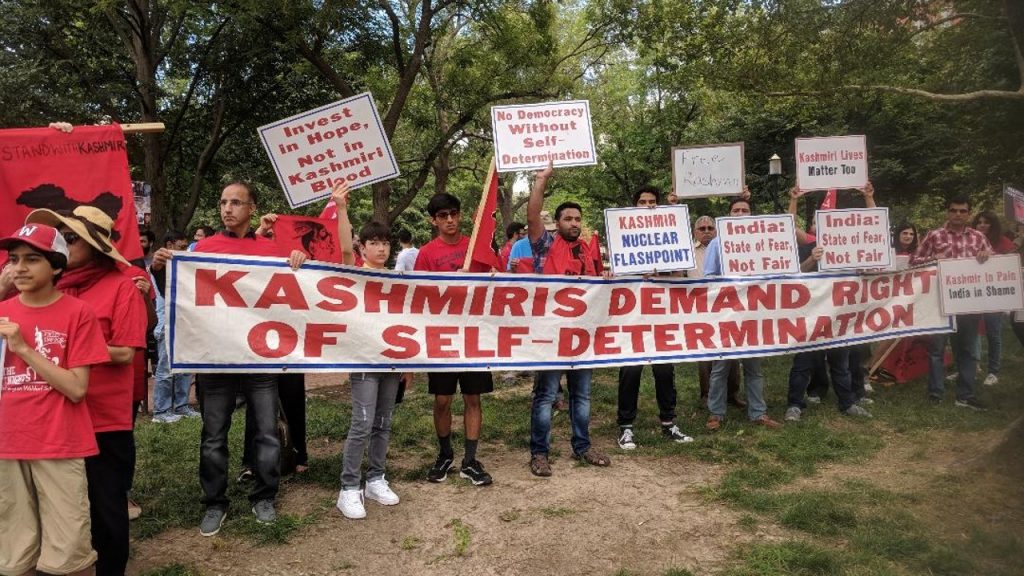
(280, 177)
(453, 366)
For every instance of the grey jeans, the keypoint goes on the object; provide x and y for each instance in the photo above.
(373, 401)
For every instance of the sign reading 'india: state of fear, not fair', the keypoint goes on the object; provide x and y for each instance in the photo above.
(343, 141)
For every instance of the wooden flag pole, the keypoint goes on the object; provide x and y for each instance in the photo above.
(143, 128)
(479, 216)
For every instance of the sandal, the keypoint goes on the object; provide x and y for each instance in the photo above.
(594, 458)
(539, 465)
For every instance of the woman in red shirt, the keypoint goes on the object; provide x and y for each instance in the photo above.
(988, 224)
(94, 275)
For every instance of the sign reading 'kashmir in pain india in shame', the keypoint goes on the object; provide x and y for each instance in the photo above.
(343, 141)
(330, 318)
(646, 240)
(967, 287)
(529, 136)
(853, 239)
(702, 171)
(752, 245)
(834, 162)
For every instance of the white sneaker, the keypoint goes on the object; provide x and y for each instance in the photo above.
(814, 399)
(868, 387)
(380, 491)
(626, 441)
(952, 377)
(865, 401)
(990, 380)
(166, 418)
(793, 414)
(350, 502)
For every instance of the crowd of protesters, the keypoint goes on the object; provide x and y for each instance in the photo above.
(75, 317)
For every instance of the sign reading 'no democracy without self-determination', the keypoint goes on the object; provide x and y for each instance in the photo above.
(529, 136)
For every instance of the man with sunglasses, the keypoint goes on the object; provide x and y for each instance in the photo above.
(446, 253)
(955, 240)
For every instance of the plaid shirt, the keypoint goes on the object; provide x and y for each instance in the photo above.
(943, 243)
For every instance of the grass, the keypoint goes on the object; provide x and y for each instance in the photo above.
(770, 477)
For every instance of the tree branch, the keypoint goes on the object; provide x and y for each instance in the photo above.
(977, 95)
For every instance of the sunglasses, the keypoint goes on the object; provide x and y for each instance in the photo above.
(70, 237)
(445, 215)
(706, 228)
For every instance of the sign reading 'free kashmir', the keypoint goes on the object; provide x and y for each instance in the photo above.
(343, 141)
(529, 136)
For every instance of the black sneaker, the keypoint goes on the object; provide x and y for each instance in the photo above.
(474, 472)
(971, 403)
(439, 471)
(245, 475)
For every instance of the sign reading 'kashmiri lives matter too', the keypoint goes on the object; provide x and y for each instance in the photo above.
(343, 141)
(853, 239)
(967, 287)
(835, 162)
(646, 240)
(751, 245)
(329, 318)
(702, 171)
(529, 136)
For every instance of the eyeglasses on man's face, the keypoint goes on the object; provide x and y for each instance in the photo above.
(446, 214)
(234, 202)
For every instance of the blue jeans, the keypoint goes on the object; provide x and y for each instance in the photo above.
(804, 364)
(753, 381)
(545, 388)
(170, 391)
(965, 354)
(219, 395)
(994, 333)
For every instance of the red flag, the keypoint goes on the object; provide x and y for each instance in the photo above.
(330, 211)
(46, 168)
(829, 202)
(317, 237)
(481, 243)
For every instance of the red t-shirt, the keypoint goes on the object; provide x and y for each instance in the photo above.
(251, 245)
(438, 256)
(139, 365)
(36, 421)
(119, 307)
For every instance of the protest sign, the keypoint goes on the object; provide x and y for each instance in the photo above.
(316, 237)
(702, 171)
(47, 168)
(968, 287)
(528, 136)
(834, 162)
(343, 141)
(646, 240)
(325, 317)
(1013, 201)
(751, 245)
(853, 239)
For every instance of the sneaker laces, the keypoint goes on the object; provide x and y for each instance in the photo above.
(627, 436)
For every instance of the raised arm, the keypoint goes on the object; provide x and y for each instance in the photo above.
(340, 196)
(794, 198)
(534, 223)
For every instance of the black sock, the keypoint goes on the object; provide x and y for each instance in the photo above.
(445, 442)
(470, 451)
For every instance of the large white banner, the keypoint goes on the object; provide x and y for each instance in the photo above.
(249, 314)
(343, 141)
(528, 136)
(647, 240)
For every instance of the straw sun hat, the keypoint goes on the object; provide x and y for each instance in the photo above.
(90, 223)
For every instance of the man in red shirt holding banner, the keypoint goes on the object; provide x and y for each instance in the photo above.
(563, 253)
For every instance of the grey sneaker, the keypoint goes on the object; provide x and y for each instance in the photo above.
(971, 403)
(166, 418)
(188, 412)
(857, 410)
(814, 399)
(264, 511)
(793, 414)
(865, 401)
(212, 521)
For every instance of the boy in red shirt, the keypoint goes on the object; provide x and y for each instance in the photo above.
(45, 428)
(446, 253)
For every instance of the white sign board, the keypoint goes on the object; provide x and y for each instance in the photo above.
(967, 287)
(648, 240)
(702, 171)
(340, 141)
(750, 245)
(527, 137)
(854, 239)
(835, 162)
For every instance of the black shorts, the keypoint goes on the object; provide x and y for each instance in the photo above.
(444, 383)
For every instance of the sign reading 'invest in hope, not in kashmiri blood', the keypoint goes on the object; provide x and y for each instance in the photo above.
(645, 240)
(835, 162)
(530, 136)
(752, 245)
(343, 141)
(967, 287)
(853, 239)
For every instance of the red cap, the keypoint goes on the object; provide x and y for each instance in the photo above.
(41, 236)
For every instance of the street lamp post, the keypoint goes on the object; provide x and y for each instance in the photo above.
(775, 171)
